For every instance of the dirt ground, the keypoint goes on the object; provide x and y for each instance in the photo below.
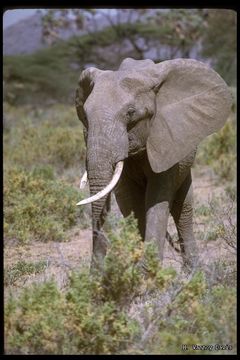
(64, 256)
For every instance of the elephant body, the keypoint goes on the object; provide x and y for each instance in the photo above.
(153, 196)
(152, 117)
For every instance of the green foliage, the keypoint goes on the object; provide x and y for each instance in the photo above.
(37, 206)
(45, 321)
(198, 315)
(231, 191)
(130, 267)
(40, 77)
(98, 325)
(22, 268)
(91, 316)
(53, 136)
(38, 322)
(38, 145)
(121, 277)
(203, 210)
(220, 42)
(219, 151)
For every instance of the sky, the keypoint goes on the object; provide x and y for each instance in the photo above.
(10, 17)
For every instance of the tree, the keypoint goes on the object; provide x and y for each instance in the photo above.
(139, 33)
(220, 42)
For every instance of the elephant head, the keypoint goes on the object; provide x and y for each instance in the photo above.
(165, 109)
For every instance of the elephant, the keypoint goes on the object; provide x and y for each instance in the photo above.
(142, 124)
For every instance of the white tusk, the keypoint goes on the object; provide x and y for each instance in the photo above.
(108, 188)
(83, 181)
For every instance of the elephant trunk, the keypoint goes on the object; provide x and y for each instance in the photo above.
(97, 181)
(106, 146)
(104, 151)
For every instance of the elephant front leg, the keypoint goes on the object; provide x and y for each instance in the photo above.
(156, 225)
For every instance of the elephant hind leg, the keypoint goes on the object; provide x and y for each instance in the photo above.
(182, 212)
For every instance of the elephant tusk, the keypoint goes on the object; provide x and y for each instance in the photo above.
(84, 180)
(108, 188)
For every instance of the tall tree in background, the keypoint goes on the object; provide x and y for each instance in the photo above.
(156, 33)
(141, 31)
(220, 42)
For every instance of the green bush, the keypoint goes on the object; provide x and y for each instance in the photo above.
(219, 151)
(45, 321)
(37, 206)
(53, 137)
(22, 268)
(37, 322)
(131, 268)
(91, 316)
(198, 315)
(41, 77)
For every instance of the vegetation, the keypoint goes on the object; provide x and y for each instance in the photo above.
(196, 317)
(213, 30)
(42, 77)
(52, 136)
(38, 204)
(220, 44)
(22, 268)
(133, 306)
(125, 309)
(50, 75)
(219, 149)
(92, 316)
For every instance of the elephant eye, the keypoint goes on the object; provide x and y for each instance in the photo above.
(131, 111)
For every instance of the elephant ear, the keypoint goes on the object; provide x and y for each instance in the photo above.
(85, 86)
(192, 101)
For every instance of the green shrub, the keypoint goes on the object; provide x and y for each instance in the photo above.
(231, 191)
(203, 210)
(41, 77)
(37, 206)
(91, 316)
(21, 268)
(51, 137)
(219, 151)
(88, 319)
(38, 322)
(97, 323)
(198, 315)
(45, 321)
(131, 268)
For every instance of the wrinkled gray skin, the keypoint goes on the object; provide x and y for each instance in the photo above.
(152, 116)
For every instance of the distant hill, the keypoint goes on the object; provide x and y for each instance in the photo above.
(24, 37)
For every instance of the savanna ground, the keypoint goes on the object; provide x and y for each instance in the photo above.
(54, 306)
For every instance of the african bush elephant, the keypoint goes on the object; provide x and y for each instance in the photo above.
(142, 124)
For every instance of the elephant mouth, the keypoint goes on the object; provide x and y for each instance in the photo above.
(116, 176)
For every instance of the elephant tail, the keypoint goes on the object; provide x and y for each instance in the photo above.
(172, 243)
